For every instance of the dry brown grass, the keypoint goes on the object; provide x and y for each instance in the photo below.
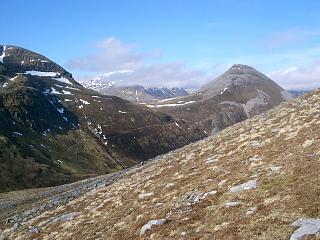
(287, 137)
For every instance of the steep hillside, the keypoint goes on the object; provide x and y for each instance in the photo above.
(258, 179)
(53, 130)
(239, 93)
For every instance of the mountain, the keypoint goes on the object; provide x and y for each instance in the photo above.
(258, 179)
(297, 93)
(53, 130)
(134, 93)
(239, 93)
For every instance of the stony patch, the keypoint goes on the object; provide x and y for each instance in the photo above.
(306, 227)
(244, 186)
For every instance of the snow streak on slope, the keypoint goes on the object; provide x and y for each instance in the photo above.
(3, 54)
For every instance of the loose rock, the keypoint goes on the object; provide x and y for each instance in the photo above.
(151, 223)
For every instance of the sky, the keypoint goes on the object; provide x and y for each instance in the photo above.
(174, 43)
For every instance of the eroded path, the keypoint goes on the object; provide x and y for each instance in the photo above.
(18, 207)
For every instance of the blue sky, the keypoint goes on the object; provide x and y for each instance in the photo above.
(173, 42)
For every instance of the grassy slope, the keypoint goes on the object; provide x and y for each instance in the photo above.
(286, 137)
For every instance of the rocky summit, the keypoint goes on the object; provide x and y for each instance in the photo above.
(239, 93)
(258, 179)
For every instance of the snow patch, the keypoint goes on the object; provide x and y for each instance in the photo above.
(42, 74)
(54, 91)
(167, 99)
(14, 78)
(60, 110)
(17, 133)
(84, 102)
(63, 80)
(54, 75)
(66, 92)
(3, 54)
(170, 104)
(223, 91)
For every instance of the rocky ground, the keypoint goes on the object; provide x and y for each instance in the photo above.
(18, 207)
(258, 179)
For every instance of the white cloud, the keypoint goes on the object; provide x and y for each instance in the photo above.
(112, 55)
(167, 74)
(305, 78)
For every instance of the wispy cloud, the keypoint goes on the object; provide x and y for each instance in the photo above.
(290, 37)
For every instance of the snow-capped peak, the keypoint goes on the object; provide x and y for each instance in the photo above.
(105, 80)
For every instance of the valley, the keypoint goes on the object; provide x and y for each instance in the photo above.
(160, 120)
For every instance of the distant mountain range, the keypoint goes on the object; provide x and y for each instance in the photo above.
(136, 93)
(297, 93)
(104, 84)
